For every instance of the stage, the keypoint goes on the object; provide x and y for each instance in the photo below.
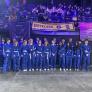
(50, 81)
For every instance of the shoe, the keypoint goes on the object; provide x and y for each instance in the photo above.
(64, 70)
(25, 70)
(36, 69)
(69, 69)
(48, 69)
(40, 70)
(60, 69)
(44, 69)
(30, 70)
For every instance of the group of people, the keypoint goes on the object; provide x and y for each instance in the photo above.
(31, 55)
(61, 12)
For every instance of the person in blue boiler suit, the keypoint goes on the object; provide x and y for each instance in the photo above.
(77, 57)
(16, 56)
(72, 44)
(62, 52)
(81, 48)
(39, 56)
(69, 55)
(7, 56)
(32, 54)
(1, 52)
(24, 56)
(46, 51)
(53, 58)
(86, 55)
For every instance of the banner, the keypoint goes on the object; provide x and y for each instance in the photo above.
(86, 31)
(53, 26)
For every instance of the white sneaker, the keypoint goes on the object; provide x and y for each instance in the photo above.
(48, 69)
(69, 69)
(64, 70)
(44, 69)
(36, 69)
(25, 70)
(30, 70)
(60, 69)
(40, 70)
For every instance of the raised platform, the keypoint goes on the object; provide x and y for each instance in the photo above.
(46, 82)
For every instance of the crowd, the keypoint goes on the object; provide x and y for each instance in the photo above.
(60, 13)
(38, 55)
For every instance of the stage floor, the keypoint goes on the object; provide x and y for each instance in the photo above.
(46, 82)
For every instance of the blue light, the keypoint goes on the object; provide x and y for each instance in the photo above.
(7, 2)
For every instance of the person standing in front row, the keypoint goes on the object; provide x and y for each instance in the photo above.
(32, 54)
(69, 55)
(46, 51)
(1, 52)
(16, 56)
(53, 57)
(86, 55)
(77, 60)
(62, 53)
(7, 56)
(24, 56)
(39, 56)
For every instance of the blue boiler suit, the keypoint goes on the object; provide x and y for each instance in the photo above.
(16, 58)
(62, 57)
(78, 58)
(7, 57)
(86, 56)
(32, 57)
(1, 54)
(46, 51)
(39, 57)
(24, 57)
(69, 55)
(53, 57)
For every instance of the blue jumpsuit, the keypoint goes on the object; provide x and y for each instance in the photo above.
(24, 57)
(72, 45)
(7, 57)
(62, 56)
(1, 54)
(69, 55)
(46, 51)
(74, 58)
(86, 56)
(16, 58)
(81, 48)
(53, 56)
(39, 57)
(32, 55)
(77, 62)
